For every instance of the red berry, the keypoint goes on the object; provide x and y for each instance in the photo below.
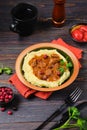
(58, 73)
(6, 100)
(6, 97)
(1, 100)
(6, 94)
(3, 89)
(2, 109)
(45, 56)
(0, 93)
(10, 112)
(10, 96)
(11, 92)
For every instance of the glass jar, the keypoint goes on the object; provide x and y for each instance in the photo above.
(58, 14)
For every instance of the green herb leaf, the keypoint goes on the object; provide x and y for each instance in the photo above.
(67, 58)
(74, 115)
(82, 123)
(69, 65)
(61, 70)
(7, 70)
(62, 62)
(74, 112)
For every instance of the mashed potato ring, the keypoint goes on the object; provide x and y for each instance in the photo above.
(31, 78)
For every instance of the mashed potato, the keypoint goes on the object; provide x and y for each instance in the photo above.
(30, 76)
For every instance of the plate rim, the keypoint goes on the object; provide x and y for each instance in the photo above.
(42, 45)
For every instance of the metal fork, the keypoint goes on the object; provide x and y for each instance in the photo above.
(73, 97)
(69, 101)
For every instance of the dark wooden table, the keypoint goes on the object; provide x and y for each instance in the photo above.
(33, 111)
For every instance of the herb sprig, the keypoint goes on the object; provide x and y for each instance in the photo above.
(6, 70)
(74, 116)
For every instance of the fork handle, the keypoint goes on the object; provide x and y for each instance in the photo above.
(56, 113)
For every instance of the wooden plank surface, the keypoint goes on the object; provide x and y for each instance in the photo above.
(31, 112)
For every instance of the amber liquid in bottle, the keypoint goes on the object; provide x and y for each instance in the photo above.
(58, 14)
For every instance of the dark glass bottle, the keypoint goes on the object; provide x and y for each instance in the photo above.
(58, 14)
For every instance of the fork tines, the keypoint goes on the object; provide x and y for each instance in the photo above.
(75, 94)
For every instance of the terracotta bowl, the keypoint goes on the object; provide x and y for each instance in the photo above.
(19, 62)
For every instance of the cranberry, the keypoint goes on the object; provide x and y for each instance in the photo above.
(2, 109)
(1, 100)
(10, 112)
(45, 56)
(58, 73)
(6, 94)
(7, 100)
(11, 92)
(3, 89)
(1, 92)
(10, 96)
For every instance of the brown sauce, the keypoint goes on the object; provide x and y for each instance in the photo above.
(47, 67)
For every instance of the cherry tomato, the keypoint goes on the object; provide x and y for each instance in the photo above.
(83, 28)
(77, 34)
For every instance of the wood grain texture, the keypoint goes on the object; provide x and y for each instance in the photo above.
(31, 112)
